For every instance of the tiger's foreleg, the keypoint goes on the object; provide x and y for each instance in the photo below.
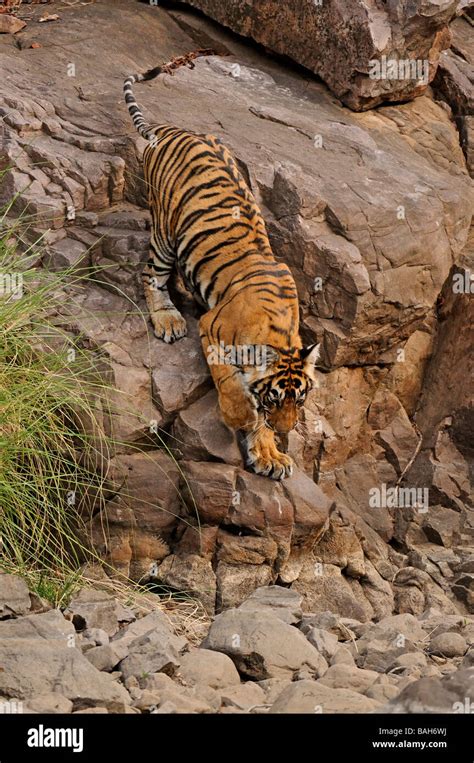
(238, 409)
(168, 323)
(240, 413)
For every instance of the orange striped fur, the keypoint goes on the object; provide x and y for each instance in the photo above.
(206, 222)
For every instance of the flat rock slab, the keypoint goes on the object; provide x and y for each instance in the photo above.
(50, 625)
(10, 24)
(313, 697)
(281, 602)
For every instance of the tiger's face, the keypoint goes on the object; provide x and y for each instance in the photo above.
(281, 388)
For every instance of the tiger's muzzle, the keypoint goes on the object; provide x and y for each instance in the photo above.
(282, 419)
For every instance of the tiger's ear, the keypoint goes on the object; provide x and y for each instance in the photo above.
(310, 355)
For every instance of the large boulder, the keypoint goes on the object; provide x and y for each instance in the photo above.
(365, 54)
(262, 646)
(33, 666)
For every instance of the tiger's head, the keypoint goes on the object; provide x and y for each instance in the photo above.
(279, 386)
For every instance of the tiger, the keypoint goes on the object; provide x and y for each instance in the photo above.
(206, 223)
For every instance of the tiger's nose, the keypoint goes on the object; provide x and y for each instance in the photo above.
(285, 426)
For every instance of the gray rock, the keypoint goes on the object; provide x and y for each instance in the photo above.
(202, 434)
(155, 620)
(107, 656)
(325, 588)
(94, 637)
(39, 604)
(348, 677)
(34, 666)
(409, 660)
(434, 623)
(342, 656)
(326, 643)
(391, 628)
(214, 669)
(150, 488)
(382, 692)
(281, 602)
(167, 708)
(244, 696)
(154, 650)
(147, 701)
(451, 694)
(448, 645)
(468, 661)
(192, 574)
(14, 596)
(463, 589)
(183, 699)
(51, 625)
(93, 608)
(50, 703)
(344, 628)
(180, 373)
(313, 697)
(380, 654)
(236, 581)
(262, 646)
(273, 687)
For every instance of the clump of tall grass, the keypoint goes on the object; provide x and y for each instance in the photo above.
(47, 455)
(52, 447)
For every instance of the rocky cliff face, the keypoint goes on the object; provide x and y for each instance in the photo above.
(455, 80)
(372, 211)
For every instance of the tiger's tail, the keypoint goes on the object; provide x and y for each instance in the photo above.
(133, 108)
(143, 127)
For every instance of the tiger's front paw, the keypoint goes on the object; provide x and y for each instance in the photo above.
(278, 466)
(168, 325)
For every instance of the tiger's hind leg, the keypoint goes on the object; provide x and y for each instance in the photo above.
(168, 323)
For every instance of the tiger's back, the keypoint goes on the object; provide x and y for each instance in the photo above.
(204, 214)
